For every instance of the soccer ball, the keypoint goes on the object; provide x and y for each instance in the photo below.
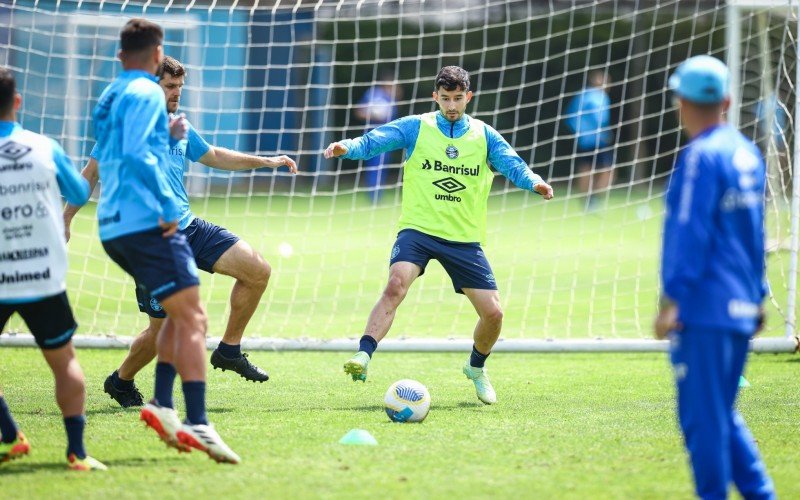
(407, 401)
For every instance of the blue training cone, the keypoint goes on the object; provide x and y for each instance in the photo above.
(358, 436)
(743, 382)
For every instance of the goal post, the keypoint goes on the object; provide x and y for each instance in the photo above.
(277, 77)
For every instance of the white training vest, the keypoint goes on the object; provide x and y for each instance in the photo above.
(33, 253)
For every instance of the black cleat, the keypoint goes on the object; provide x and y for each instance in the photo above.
(126, 399)
(240, 365)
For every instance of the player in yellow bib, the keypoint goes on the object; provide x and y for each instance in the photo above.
(446, 184)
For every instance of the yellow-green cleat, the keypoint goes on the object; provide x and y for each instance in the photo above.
(84, 464)
(483, 387)
(15, 449)
(356, 366)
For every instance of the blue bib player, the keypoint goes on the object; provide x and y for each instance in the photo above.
(712, 275)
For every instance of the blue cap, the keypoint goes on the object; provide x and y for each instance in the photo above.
(701, 79)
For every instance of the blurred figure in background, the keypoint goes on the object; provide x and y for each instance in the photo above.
(377, 107)
(589, 117)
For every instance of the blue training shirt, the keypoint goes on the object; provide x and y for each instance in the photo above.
(192, 148)
(713, 250)
(403, 133)
(131, 130)
(589, 116)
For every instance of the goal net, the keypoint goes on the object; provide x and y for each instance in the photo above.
(274, 77)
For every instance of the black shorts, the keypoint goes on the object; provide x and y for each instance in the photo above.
(50, 320)
(208, 242)
(465, 263)
(162, 266)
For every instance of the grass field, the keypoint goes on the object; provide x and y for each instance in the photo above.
(566, 426)
(562, 273)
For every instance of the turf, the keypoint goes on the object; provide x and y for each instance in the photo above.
(562, 272)
(567, 426)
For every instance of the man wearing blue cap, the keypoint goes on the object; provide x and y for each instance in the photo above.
(712, 275)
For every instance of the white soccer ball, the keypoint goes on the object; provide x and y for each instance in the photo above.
(285, 249)
(407, 401)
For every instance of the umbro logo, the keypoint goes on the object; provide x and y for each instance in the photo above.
(449, 185)
(14, 150)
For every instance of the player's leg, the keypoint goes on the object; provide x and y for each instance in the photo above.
(52, 325)
(12, 441)
(603, 177)
(698, 360)
(749, 472)
(487, 331)
(252, 274)
(401, 276)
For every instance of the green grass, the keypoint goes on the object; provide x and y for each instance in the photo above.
(562, 273)
(566, 426)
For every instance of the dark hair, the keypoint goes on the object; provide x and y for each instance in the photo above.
(170, 66)
(140, 34)
(452, 78)
(8, 89)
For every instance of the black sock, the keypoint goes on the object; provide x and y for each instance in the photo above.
(476, 359)
(74, 426)
(8, 428)
(230, 351)
(367, 344)
(165, 381)
(120, 384)
(195, 395)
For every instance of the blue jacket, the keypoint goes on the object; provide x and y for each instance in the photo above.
(403, 133)
(131, 130)
(713, 254)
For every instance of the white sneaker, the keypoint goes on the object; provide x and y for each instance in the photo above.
(205, 438)
(483, 387)
(165, 422)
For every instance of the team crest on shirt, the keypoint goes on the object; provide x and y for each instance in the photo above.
(451, 152)
(155, 306)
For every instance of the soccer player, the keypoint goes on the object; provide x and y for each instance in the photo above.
(712, 274)
(446, 184)
(34, 172)
(215, 249)
(138, 216)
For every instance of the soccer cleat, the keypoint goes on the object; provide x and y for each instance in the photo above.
(205, 438)
(240, 365)
(165, 422)
(126, 399)
(483, 387)
(356, 366)
(14, 449)
(84, 464)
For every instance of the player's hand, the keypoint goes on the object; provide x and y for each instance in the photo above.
(761, 320)
(666, 321)
(169, 228)
(335, 150)
(279, 161)
(178, 126)
(67, 223)
(545, 190)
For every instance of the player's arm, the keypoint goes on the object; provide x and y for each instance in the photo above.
(91, 175)
(73, 187)
(687, 236)
(506, 161)
(226, 159)
(397, 134)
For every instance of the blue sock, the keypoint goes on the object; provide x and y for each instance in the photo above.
(8, 428)
(119, 384)
(195, 395)
(165, 380)
(230, 351)
(476, 359)
(74, 426)
(368, 345)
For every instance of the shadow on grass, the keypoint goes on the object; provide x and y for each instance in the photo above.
(21, 467)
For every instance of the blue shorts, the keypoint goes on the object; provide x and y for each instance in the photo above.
(465, 263)
(598, 159)
(208, 242)
(161, 266)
